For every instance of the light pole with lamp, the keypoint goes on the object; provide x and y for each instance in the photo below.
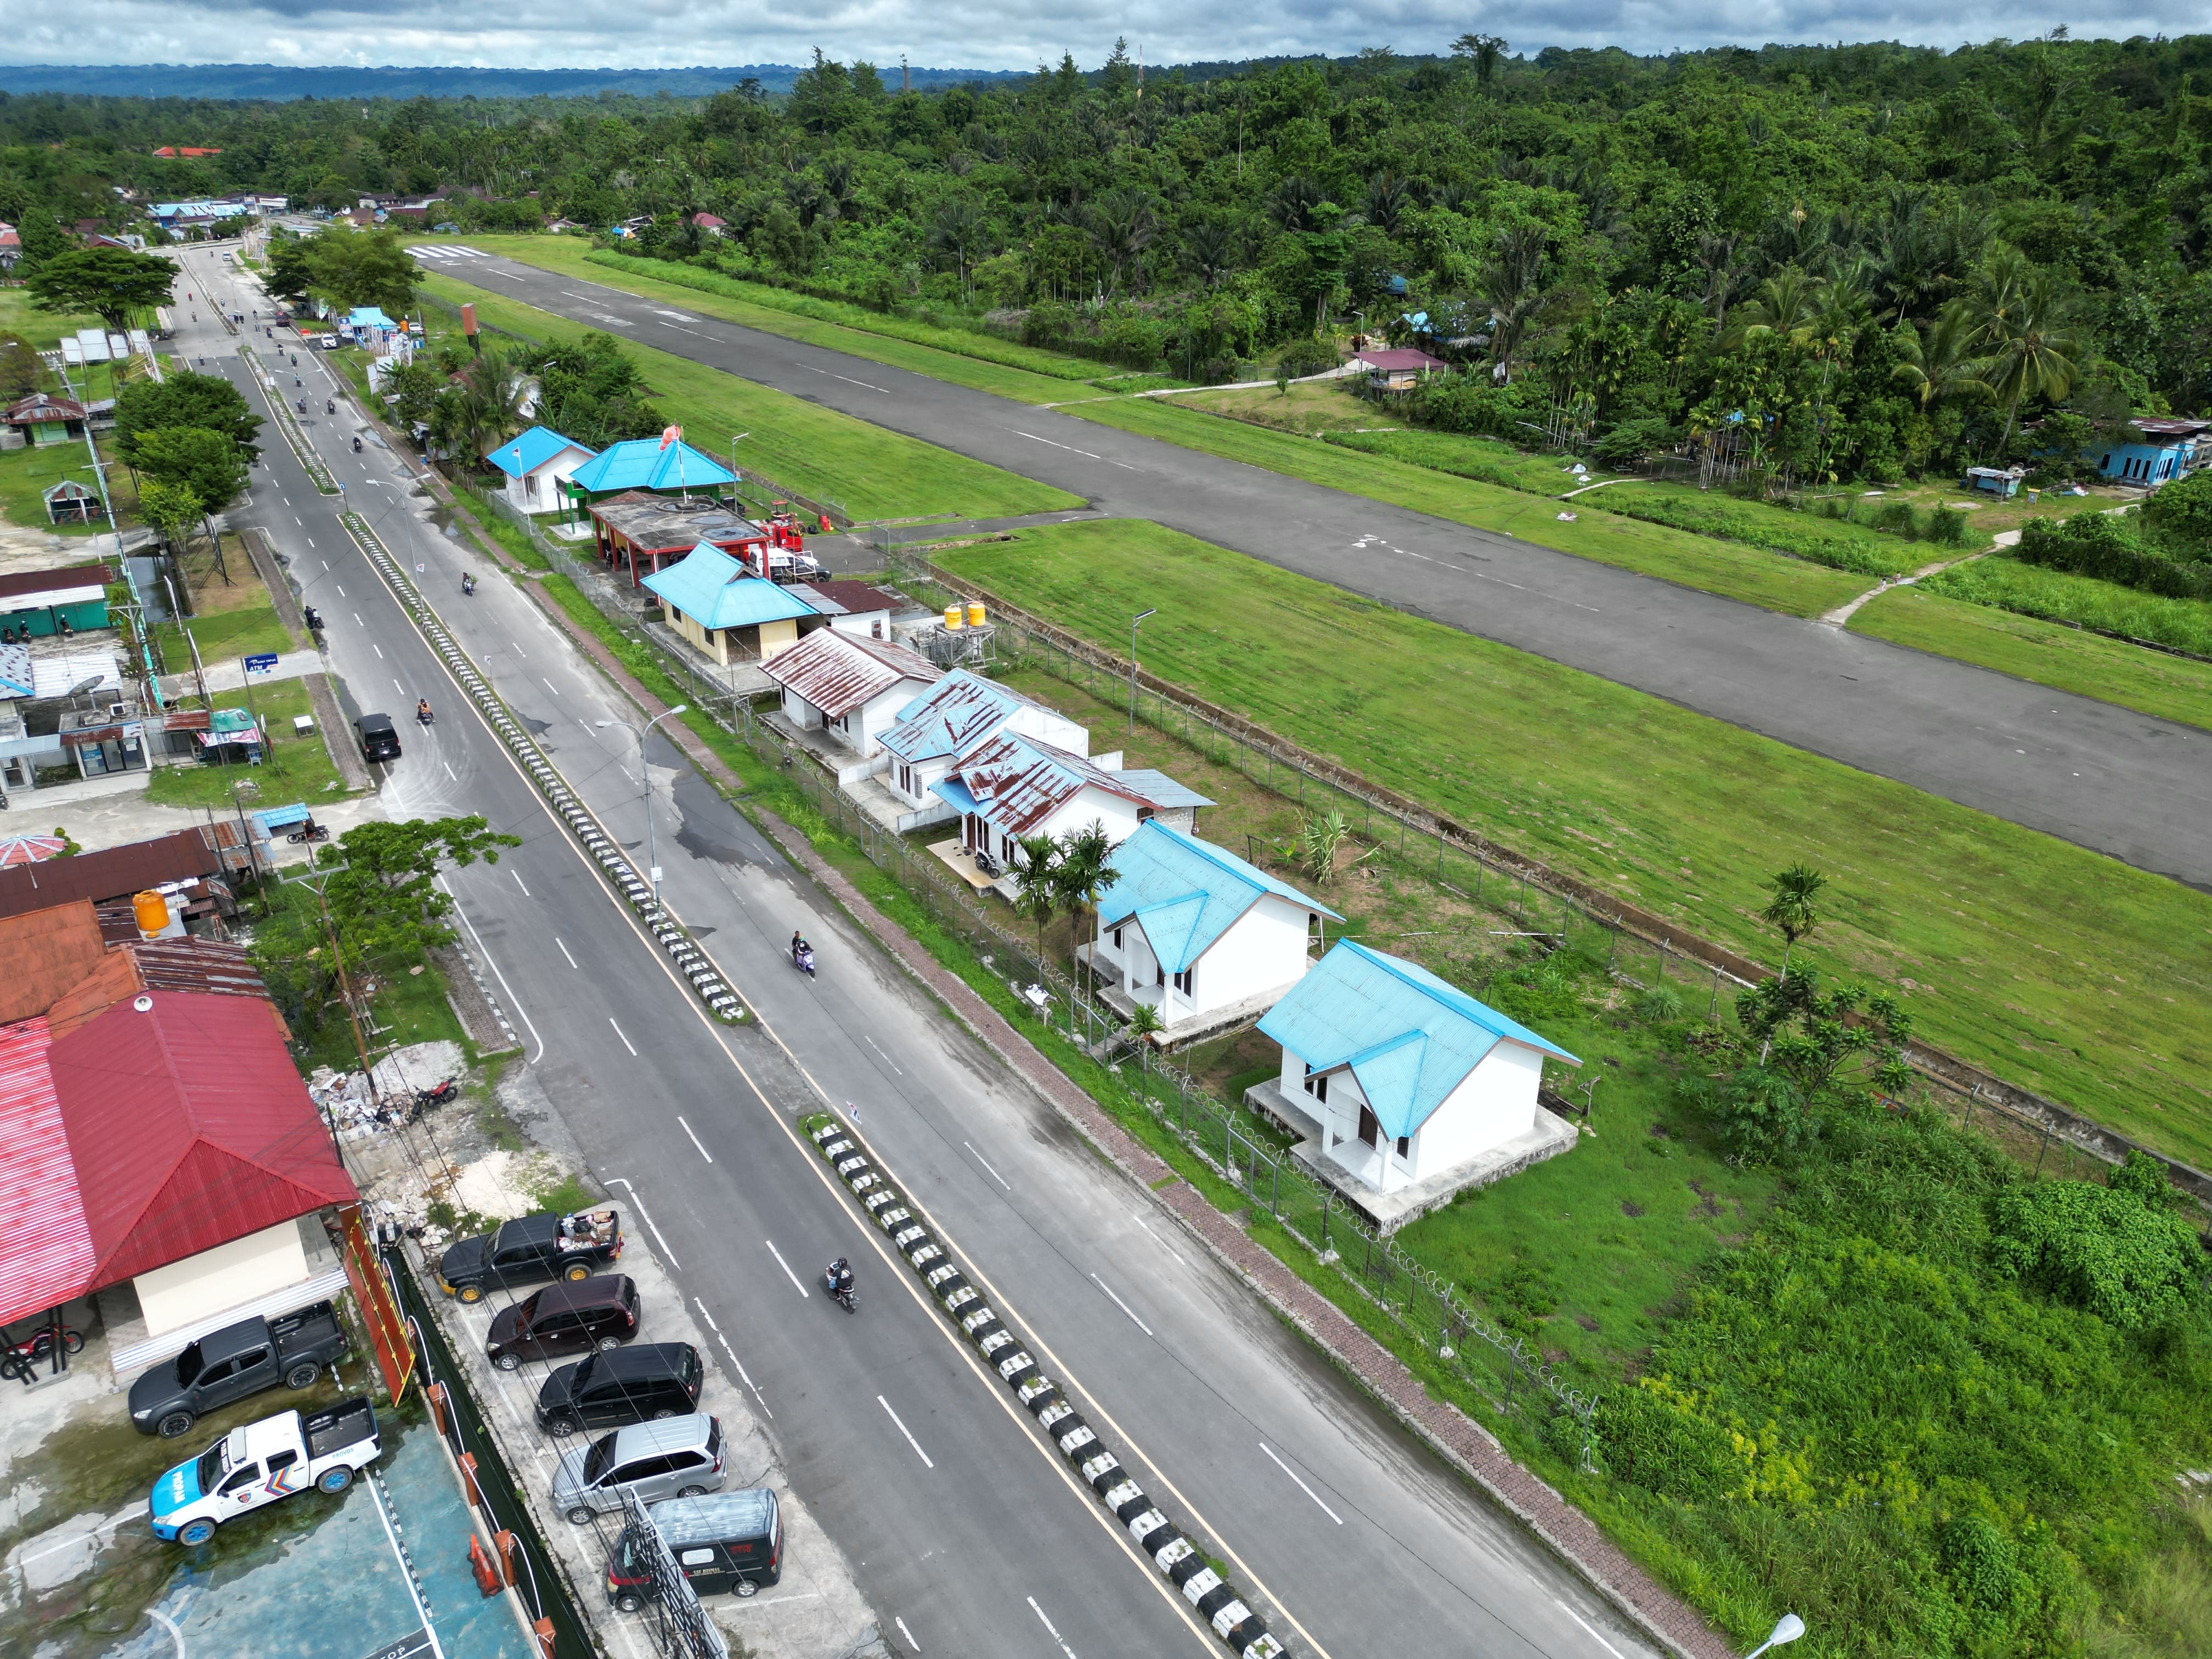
(651, 856)
(1788, 1629)
(1133, 620)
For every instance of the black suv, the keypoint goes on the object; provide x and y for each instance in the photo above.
(599, 1312)
(379, 741)
(622, 1386)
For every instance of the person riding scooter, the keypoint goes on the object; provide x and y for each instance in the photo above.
(314, 620)
(839, 1279)
(356, 445)
(422, 711)
(468, 583)
(330, 406)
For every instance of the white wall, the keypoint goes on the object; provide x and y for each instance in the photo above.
(799, 712)
(863, 727)
(549, 475)
(1047, 726)
(1496, 1102)
(221, 1278)
(1264, 950)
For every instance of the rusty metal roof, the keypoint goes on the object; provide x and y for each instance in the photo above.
(113, 872)
(959, 711)
(43, 953)
(837, 672)
(658, 523)
(1017, 783)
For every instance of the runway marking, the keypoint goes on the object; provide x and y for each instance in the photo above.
(1072, 450)
(1055, 1634)
(908, 1432)
(980, 1158)
(564, 951)
(786, 1265)
(1122, 1305)
(1162, 1243)
(888, 1061)
(1309, 1492)
(695, 1141)
(625, 1041)
(616, 1181)
(550, 686)
(517, 874)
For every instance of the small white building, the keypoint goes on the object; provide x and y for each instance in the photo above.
(1406, 1090)
(950, 721)
(1194, 932)
(849, 687)
(1010, 787)
(538, 464)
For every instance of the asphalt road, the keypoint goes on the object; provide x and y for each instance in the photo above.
(2122, 783)
(1354, 1531)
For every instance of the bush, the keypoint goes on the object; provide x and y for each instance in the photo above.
(1981, 1562)
(1628, 443)
(1653, 1439)
(2180, 516)
(2115, 1250)
(2098, 545)
(1305, 356)
(1946, 526)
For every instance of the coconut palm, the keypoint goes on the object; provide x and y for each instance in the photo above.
(1083, 875)
(1512, 291)
(2034, 349)
(1793, 911)
(1036, 885)
(1122, 225)
(962, 230)
(1787, 303)
(1941, 366)
(1209, 247)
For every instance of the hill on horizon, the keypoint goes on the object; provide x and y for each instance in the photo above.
(282, 82)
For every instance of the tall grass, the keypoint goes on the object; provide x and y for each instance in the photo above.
(2084, 601)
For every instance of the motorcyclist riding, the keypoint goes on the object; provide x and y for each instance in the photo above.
(468, 583)
(422, 711)
(356, 445)
(840, 1278)
(330, 406)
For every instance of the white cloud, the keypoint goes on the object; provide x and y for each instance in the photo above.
(673, 33)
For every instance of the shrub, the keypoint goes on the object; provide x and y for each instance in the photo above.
(2180, 516)
(1303, 356)
(2114, 1250)
(1981, 1562)
(1946, 526)
(1654, 1439)
(2098, 545)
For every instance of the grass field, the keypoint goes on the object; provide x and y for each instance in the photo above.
(2111, 671)
(2065, 972)
(298, 766)
(233, 618)
(872, 473)
(40, 330)
(27, 474)
(2061, 596)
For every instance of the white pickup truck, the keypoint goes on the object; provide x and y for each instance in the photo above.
(261, 1462)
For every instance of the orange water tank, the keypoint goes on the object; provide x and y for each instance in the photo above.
(152, 911)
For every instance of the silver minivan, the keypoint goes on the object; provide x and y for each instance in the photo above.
(671, 1458)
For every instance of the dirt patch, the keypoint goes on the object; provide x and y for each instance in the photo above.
(1586, 1322)
(1708, 1208)
(1630, 1207)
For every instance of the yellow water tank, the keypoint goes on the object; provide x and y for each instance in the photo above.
(951, 618)
(974, 613)
(152, 912)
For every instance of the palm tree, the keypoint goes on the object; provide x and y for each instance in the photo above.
(2035, 351)
(1942, 364)
(1210, 249)
(1786, 303)
(1037, 888)
(1792, 908)
(1083, 875)
(1122, 225)
(1388, 198)
(960, 228)
(1511, 291)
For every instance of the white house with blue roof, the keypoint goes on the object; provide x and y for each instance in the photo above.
(717, 605)
(1194, 932)
(538, 464)
(1407, 1089)
(951, 720)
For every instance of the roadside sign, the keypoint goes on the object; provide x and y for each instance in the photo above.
(260, 667)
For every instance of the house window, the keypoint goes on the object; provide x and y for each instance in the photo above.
(1316, 1086)
(1370, 1127)
(876, 629)
(530, 486)
(1405, 1143)
(1117, 939)
(1183, 980)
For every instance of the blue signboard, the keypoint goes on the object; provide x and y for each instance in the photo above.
(259, 666)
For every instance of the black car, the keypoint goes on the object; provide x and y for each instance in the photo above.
(379, 741)
(729, 1540)
(620, 1386)
(234, 1362)
(565, 1319)
(529, 1250)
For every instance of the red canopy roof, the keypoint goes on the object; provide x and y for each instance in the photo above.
(187, 1126)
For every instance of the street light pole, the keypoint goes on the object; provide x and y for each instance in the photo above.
(1133, 620)
(1787, 1630)
(651, 850)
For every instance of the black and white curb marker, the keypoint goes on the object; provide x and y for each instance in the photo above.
(691, 961)
(1178, 1558)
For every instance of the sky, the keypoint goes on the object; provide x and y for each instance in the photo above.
(1009, 35)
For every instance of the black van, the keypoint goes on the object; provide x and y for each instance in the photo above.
(726, 1540)
(379, 741)
(620, 1386)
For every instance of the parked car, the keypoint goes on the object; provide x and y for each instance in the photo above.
(255, 1466)
(378, 740)
(529, 1250)
(726, 1540)
(679, 1457)
(621, 1385)
(600, 1312)
(232, 1362)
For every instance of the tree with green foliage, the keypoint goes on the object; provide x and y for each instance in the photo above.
(2178, 516)
(171, 509)
(411, 390)
(290, 268)
(1036, 870)
(113, 283)
(1083, 876)
(21, 370)
(207, 465)
(363, 268)
(184, 399)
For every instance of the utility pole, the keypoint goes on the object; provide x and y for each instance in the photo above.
(906, 75)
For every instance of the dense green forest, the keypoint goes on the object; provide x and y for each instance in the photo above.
(1865, 260)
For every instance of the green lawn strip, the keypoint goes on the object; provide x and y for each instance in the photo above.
(2060, 596)
(2111, 671)
(299, 767)
(2067, 972)
(1754, 576)
(27, 474)
(42, 331)
(223, 637)
(871, 472)
(749, 306)
(407, 1000)
(1834, 543)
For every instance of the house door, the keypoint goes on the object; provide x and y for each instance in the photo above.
(1370, 1127)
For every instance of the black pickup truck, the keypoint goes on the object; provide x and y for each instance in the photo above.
(232, 1362)
(529, 1250)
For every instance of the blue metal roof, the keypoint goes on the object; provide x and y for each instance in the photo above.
(369, 317)
(1408, 1037)
(713, 589)
(1162, 790)
(1185, 893)
(643, 463)
(958, 711)
(528, 451)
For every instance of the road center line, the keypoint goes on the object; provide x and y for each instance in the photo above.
(341, 588)
(908, 1432)
(379, 649)
(625, 1041)
(1122, 1305)
(786, 1265)
(550, 686)
(448, 765)
(695, 1141)
(980, 1158)
(564, 951)
(888, 1061)
(1307, 1490)
(1055, 1634)
(1072, 450)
